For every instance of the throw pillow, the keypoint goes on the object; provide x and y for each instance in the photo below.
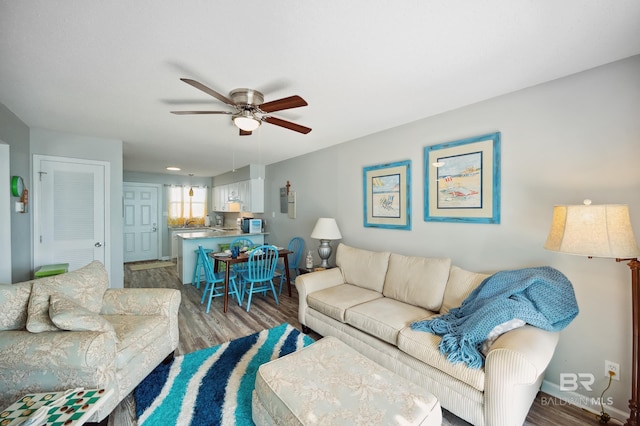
(84, 286)
(499, 330)
(68, 315)
(14, 300)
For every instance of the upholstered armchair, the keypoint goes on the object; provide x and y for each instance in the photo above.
(69, 330)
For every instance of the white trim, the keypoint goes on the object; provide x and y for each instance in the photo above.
(582, 401)
(6, 204)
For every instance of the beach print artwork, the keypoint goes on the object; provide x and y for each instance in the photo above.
(460, 181)
(386, 196)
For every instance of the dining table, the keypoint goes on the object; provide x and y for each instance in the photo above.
(229, 261)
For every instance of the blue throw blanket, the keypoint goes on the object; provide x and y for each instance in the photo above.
(542, 297)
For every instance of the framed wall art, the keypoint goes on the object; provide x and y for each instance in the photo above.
(462, 180)
(387, 195)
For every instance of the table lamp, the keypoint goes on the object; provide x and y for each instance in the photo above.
(326, 229)
(603, 231)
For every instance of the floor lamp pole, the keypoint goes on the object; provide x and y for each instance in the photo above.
(634, 415)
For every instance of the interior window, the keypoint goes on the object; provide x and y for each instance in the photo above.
(186, 204)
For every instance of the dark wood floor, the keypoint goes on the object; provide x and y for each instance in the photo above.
(200, 330)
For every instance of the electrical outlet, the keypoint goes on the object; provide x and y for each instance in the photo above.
(612, 366)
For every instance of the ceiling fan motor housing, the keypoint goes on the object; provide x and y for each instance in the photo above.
(246, 97)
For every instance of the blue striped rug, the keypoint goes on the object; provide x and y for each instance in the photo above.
(213, 386)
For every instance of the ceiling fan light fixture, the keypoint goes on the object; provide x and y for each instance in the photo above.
(246, 121)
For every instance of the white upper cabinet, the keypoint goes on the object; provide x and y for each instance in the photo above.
(248, 194)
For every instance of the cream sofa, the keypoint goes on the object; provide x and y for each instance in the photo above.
(69, 330)
(369, 301)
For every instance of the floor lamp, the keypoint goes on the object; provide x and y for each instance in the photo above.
(603, 231)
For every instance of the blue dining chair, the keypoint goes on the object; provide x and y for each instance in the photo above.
(296, 245)
(259, 273)
(198, 271)
(241, 242)
(215, 282)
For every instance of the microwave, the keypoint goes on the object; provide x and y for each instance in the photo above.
(251, 226)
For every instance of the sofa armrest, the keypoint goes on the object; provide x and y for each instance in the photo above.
(315, 281)
(56, 349)
(141, 301)
(514, 370)
(54, 360)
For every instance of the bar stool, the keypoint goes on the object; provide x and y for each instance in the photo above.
(198, 271)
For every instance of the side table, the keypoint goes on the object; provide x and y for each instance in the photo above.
(305, 270)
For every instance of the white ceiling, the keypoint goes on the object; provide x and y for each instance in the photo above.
(111, 69)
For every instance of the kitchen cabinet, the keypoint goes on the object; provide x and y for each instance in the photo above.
(257, 195)
(249, 193)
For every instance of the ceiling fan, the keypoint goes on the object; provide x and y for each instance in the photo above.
(250, 108)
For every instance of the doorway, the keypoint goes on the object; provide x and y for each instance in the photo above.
(141, 222)
(71, 223)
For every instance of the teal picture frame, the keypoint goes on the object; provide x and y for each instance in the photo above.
(462, 180)
(387, 195)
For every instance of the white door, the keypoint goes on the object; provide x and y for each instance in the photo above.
(140, 222)
(70, 211)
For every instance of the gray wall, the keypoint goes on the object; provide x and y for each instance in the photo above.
(48, 142)
(564, 141)
(15, 133)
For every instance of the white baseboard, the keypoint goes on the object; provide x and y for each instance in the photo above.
(561, 397)
(165, 258)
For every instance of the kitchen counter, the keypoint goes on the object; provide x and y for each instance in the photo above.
(213, 233)
(189, 241)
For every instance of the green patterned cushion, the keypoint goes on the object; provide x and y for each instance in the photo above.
(84, 286)
(68, 315)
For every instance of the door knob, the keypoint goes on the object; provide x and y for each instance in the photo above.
(98, 244)
(154, 229)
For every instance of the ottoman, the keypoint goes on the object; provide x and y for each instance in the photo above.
(329, 383)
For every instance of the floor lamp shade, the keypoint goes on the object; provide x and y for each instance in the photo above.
(604, 231)
(326, 229)
(593, 230)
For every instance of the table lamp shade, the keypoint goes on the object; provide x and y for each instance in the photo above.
(326, 229)
(593, 230)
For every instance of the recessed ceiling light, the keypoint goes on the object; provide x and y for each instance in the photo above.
(173, 169)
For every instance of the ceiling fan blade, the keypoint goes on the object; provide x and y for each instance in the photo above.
(287, 124)
(200, 112)
(208, 91)
(244, 133)
(284, 103)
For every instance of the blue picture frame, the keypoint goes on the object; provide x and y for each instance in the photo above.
(387, 195)
(462, 180)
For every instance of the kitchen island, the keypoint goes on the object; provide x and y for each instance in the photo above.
(188, 243)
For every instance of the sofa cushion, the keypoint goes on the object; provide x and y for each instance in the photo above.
(334, 301)
(419, 281)
(384, 317)
(14, 300)
(135, 333)
(461, 283)
(424, 347)
(68, 315)
(84, 286)
(363, 268)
